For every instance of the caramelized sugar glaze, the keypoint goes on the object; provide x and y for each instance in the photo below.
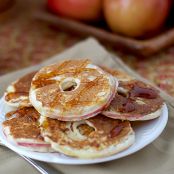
(20, 90)
(98, 132)
(120, 75)
(142, 97)
(23, 123)
(90, 87)
(135, 99)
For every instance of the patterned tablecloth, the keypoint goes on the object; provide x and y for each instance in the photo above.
(26, 41)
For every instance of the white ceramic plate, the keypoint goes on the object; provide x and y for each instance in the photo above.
(145, 133)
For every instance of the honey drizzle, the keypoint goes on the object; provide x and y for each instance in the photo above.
(24, 124)
(24, 83)
(21, 86)
(75, 100)
(43, 79)
(15, 95)
(56, 99)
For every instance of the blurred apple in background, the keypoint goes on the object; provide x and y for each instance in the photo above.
(135, 17)
(87, 10)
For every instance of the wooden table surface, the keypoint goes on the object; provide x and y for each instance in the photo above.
(25, 41)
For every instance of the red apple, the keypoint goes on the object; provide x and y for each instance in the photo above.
(77, 9)
(135, 17)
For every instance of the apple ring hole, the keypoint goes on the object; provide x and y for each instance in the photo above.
(85, 129)
(122, 93)
(69, 84)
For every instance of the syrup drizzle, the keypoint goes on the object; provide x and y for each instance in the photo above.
(44, 79)
(126, 102)
(71, 69)
(141, 92)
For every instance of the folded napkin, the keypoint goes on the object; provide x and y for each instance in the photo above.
(156, 158)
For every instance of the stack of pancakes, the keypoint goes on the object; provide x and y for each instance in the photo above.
(78, 109)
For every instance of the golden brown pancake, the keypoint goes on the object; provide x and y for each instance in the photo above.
(71, 90)
(22, 128)
(17, 94)
(120, 75)
(92, 138)
(135, 100)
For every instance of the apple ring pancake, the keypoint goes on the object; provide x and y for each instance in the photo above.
(22, 128)
(134, 101)
(72, 90)
(17, 94)
(95, 137)
(120, 75)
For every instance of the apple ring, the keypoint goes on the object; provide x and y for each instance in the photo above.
(22, 128)
(135, 100)
(17, 94)
(96, 137)
(72, 90)
(120, 75)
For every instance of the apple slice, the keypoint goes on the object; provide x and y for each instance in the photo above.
(134, 101)
(22, 129)
(72, 90)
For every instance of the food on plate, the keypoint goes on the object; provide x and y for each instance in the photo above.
(92, 138)
(134, 101)
(87, 10)
(72, 90)
(135, 17)
(17, 93)
(118, 74)
(78, 109)
(22, 128)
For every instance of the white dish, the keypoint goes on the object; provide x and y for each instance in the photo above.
(145, 133)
